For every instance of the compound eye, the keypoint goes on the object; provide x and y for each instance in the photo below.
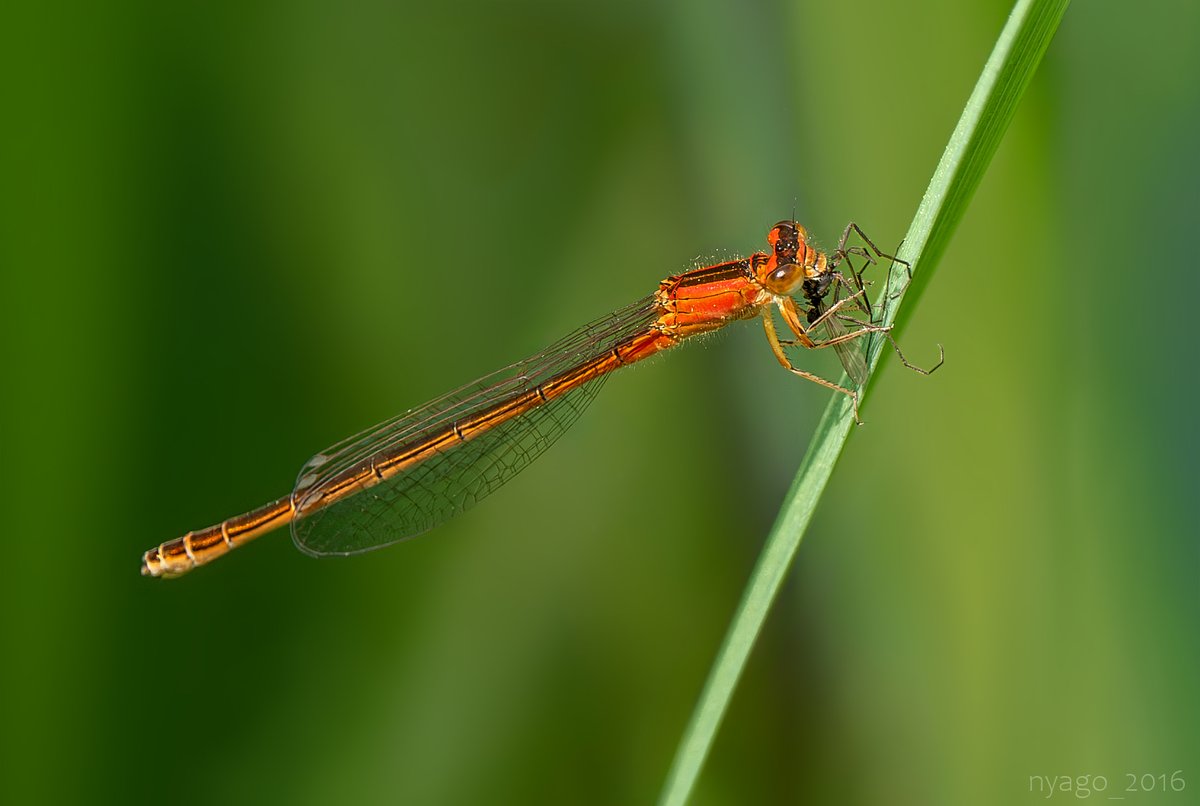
(784, 279)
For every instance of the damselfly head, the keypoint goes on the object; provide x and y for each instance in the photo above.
(785, 239)
(782, 279)
(792, 260)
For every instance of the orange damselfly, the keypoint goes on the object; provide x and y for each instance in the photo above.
(411, 473)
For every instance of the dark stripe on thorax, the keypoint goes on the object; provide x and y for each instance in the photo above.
(715, 274)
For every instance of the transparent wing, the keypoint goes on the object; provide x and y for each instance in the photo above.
(850, 353)
(458, 476)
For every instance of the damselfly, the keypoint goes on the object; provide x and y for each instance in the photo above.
(415, 471)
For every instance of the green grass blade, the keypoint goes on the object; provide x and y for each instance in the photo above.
(985, 118)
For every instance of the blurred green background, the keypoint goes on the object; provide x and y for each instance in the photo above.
(235, 234)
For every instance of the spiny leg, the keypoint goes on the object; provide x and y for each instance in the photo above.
(787, 307)
(843, 253)
(867, 328)
(785, 362)
(841, 281)
(941, 357)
